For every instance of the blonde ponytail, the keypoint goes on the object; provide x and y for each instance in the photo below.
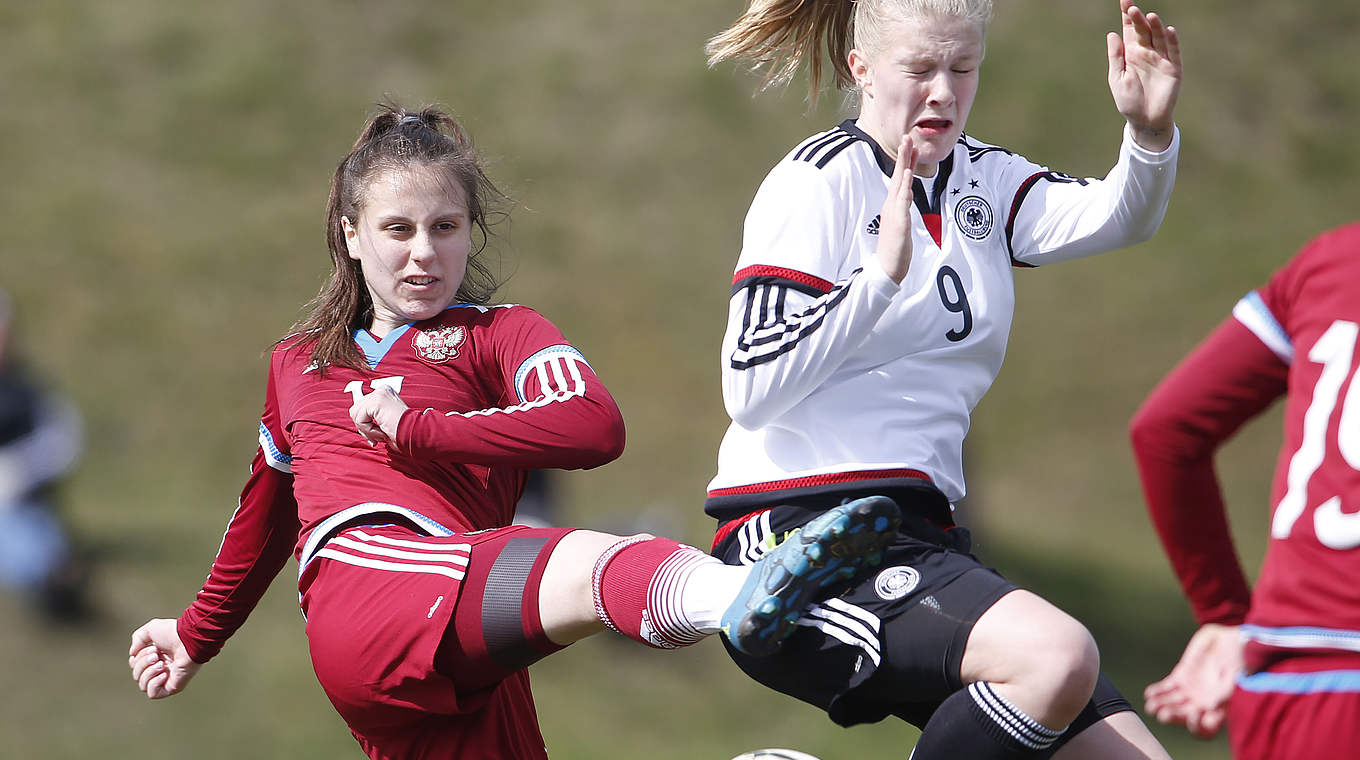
(781, 36)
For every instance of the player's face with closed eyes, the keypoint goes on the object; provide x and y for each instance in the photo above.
(922, 82)
(412, 241)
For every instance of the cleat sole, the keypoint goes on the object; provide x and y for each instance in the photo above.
(828, 551)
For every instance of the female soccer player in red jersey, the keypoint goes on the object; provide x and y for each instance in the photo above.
(400, 419)
(870, 309)
(1279, 664)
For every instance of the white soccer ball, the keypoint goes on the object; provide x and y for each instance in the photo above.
(774, 754)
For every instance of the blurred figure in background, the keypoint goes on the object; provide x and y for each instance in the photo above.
(40, 441)
(1280, 665)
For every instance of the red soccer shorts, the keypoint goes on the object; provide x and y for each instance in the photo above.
(421, 642)
(1281, 715)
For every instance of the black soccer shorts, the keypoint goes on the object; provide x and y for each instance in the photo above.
(892, 644)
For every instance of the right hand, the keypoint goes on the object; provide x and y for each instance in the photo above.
(894, 223)
(377, 415)
(160, 663)
(1195, 694)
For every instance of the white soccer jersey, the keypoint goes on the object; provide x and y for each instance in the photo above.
(831, 372)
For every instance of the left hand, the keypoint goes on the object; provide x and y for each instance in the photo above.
(1145, 75)
(377, 415)
(1195, 694)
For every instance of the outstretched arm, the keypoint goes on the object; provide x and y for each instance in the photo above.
(1145, 74)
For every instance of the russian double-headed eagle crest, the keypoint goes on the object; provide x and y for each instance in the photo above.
(440, 344)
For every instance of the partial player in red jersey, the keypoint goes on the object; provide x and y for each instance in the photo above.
(1280, 664)
(401, 418)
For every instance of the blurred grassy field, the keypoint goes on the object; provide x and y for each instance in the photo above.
(166, 171)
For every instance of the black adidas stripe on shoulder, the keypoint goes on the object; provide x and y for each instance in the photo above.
(1021, 194)
(977, 151)
(820, 149)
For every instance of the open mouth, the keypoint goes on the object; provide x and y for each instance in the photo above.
(420, 281)
(933, 125)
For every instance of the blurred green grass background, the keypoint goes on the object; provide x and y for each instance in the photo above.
(166, 169)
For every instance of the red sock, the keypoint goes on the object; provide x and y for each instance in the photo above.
(638, 583)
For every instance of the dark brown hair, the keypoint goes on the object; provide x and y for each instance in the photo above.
(393, 139)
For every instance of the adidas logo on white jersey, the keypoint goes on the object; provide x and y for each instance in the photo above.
(872, 229)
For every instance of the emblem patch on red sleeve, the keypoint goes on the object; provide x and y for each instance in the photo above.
(439, 345)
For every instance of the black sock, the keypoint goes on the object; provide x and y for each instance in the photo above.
(979, 724)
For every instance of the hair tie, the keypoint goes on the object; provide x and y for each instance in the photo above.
(410, 119)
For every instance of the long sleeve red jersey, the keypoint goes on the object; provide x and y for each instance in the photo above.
(493, 392)
(1297, 336)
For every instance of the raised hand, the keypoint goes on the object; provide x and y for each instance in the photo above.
(1145, 74)
(894, 231)
(1195, 694)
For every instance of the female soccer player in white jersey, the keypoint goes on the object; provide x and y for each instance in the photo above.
(870, 310)
(423, 603)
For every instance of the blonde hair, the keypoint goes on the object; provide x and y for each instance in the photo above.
(782, 36)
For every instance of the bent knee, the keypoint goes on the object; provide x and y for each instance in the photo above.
(1073, 661)
(1058, 656)
(1038, 652)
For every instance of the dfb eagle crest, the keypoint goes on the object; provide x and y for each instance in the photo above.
(974, 217)
(439, 345)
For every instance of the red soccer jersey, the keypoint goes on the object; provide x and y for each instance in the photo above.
(492, 391)
(1299, 335)
(1313, 558)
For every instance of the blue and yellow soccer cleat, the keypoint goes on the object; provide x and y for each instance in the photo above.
(833, 548)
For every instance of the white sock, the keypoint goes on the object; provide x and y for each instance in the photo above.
(708, 589)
